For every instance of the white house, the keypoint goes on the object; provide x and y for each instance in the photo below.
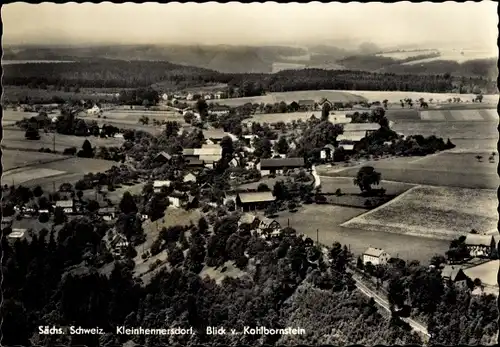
(208, 96)
(190, 97)
(375, 256)
(219, 95)
(164, 96)
(158, 185)
(94, 110)
(189, 178)
(327, 152)
(174, 201)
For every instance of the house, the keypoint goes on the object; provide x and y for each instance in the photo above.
(190, 97)
(219, 95)
(164, 96)
(17, 234)
(208, 96)
(229, 197)
(278, 166)
(454, 274)
(365, 127)
(162, 157)
(158, 185)
(306, 105)
(375, 256)
(218, 111)
(346, 147)
(254, 200)
(115, 242)
(250, 219)
(95, 110)
(66, 205)
(351, 136)
(327, 152)
(339, 118)
(234, 162)
(269, 226)
(480, 245)
(216, 135)
(323, 102)
(195, 164)
(176, 199)
(208, 154)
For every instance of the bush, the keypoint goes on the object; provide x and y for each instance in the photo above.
(43, 218)
(338, 192)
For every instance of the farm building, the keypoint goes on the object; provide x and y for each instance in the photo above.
(108, 213)
(162, 157)
(480, 245)
(195, 164)
(307, 105)
(454, 274)
(66, 205)
(327, 152)
(376, 256)
(208, 154)
(228, 196)
(158, 185)
(277, 166)
(351, 136)
(250, 219)
(208, 96)
(190, 177)
(254, 200)
(190, 97)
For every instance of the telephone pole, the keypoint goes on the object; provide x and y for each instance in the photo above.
(317, 236)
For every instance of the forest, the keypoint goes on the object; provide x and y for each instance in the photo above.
(103, 73)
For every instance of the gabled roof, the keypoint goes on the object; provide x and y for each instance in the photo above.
(163, 154)
(361, 127)
(247, 218)
(373, 252)
(354, 136)
(330, 147)
(267, 221)
(478, 240)
(64, 203)
(281, 162)
(451, 272)
(188, 151)
(256, 197)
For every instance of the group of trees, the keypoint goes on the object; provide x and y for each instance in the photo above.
(103, 73)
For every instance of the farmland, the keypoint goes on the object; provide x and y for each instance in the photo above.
(325, 222)
(435, 212)
(450, 169)
(56, 173)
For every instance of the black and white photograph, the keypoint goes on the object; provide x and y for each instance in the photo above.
(278, 174)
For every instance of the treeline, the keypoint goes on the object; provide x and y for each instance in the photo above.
(135, 74)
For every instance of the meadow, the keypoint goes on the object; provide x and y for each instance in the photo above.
(14, 139)
(288, 97)
(435, 212)
(12, 159)
(324, 222)
(395, 97)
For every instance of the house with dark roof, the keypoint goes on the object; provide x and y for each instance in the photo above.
(269, 227)
(66, 205)
(481, 246)
(279, 165)
(375, 256)
(162, 157)
(249, 201)
(208, 155)
(327, 152)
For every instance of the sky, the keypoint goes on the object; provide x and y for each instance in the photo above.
(458, 24)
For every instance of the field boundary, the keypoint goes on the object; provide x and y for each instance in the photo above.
(9, 171)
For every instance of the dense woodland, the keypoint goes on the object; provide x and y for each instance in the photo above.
(133, 74)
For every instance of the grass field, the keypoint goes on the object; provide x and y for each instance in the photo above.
(486, 272)
(395, 97)
(288, 97)
(17, 159)
(323, 221)
(450, 169)
(456, 55)
(14, 138)
(29, 174)
(435, 212)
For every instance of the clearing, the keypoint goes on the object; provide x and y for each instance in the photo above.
(435, 212)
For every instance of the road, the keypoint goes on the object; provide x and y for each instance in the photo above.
(385, 304)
